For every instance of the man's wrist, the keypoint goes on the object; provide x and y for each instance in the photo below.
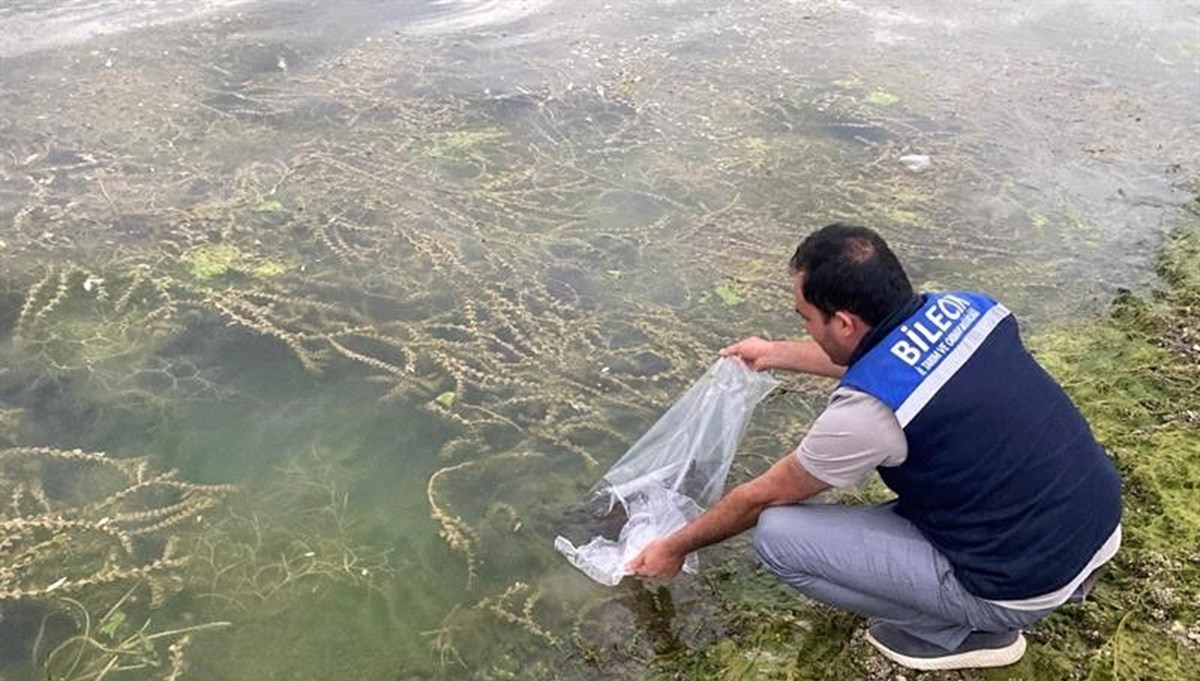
(777, 357)
(676, 544)
(788, 355)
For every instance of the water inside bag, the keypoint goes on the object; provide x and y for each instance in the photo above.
(675, 471)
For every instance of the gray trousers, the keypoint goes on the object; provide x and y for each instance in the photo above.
(870, 561)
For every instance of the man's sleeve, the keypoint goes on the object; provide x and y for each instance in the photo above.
(854, 434)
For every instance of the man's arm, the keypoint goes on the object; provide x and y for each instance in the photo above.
(786, 482)
(802, 356)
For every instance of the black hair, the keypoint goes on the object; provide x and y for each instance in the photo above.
(848, 267)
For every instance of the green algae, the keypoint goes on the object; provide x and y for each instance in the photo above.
(214, 261)
(267, 204)
(211, 261)
(881, 98)
(457, 144)
(1039, 220)
(727, 294)
(901, 216)
(269, 269)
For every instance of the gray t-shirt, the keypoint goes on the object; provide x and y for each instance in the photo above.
(857, 432)
(854, 434)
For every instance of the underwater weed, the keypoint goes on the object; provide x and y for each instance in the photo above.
(297, 541)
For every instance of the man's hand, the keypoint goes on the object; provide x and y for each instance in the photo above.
(658, 559)
(760, 354)
(786, 482)
(803, 356)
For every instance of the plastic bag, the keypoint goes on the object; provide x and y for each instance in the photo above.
(675, 471)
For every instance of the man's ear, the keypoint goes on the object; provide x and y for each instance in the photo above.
(843, 323)
(848, 324)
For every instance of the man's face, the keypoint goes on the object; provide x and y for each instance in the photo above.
(831, 334)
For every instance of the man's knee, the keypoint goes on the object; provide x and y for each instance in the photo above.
(777, 541)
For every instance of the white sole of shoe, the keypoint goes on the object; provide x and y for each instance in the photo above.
(975, 659)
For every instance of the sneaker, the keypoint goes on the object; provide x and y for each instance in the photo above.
(981, 649)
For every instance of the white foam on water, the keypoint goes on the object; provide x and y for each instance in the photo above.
(465, 15)
(46, 24)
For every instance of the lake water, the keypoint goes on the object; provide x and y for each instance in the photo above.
(411, 275)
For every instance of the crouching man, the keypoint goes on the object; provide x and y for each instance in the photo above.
(1005, 504)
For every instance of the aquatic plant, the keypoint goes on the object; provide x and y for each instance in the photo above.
(75, 526)
(113, 646)
(504, 606)
(254, 555)
(75, 510)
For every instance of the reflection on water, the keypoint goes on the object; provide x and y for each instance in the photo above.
(411, 274)
(31, 25)
(467, 15)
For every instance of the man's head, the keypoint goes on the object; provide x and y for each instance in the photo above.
(846, 281)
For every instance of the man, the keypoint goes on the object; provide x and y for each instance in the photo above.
(1006, 506)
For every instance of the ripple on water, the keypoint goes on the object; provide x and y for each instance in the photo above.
(40, 24)
(463, 15)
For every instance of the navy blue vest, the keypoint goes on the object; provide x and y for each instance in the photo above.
(1003, 474)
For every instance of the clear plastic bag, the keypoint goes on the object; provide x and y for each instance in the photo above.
(675, 471)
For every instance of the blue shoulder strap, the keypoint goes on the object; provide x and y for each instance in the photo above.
(910, 364)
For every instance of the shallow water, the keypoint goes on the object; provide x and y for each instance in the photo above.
(511, 220)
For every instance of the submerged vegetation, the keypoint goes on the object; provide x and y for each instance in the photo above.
(1136, 375)
(90, 548)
